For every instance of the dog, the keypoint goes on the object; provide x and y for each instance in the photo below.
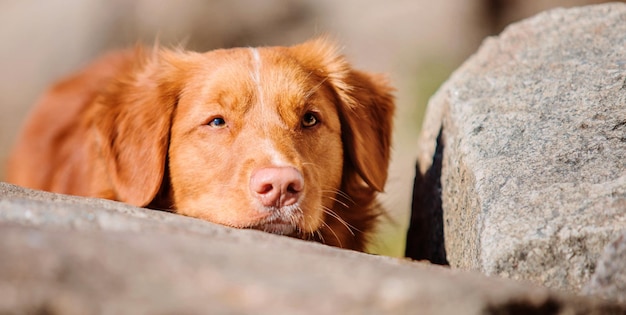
(288, 140)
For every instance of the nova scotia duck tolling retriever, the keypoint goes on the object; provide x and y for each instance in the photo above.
(287, 140)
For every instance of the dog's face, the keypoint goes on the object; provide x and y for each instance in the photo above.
(256, 142)
(290, 140)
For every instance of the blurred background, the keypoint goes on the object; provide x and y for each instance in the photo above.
(418, 43)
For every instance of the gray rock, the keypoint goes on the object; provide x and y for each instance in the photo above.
(71, 255)
(534, 132)
(609, 280)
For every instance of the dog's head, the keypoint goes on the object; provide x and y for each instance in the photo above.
(269, 138)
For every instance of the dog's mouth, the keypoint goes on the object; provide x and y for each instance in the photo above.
(281, 221)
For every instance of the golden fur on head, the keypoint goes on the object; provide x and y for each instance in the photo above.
(210, 134)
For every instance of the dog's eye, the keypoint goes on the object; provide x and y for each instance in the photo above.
(309, 120)
(217, 122)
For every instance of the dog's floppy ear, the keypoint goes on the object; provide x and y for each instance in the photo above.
(367, 124)
(366, 107)
(132, 123)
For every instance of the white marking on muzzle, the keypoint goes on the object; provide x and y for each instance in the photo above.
(277, 158)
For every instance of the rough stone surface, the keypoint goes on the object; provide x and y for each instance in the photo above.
(609, 280)
(71, 255)
(534, 132)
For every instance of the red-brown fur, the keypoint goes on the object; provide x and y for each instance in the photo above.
(138, 126)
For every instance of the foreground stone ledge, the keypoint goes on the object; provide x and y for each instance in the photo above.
(533, 174)
(70, 255)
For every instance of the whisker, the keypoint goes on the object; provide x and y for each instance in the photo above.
(343, 194)
(348, 226)
(340, 193)
(309, 235)
(331, 231)
(319, 234)
(338, 201)
(333, 190)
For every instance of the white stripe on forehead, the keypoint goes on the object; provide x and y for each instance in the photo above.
(277, 159)
(256, 74)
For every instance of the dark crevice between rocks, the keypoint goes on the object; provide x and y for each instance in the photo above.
(425, 239)
(549, 307)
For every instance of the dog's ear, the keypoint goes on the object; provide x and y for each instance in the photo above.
(366, 108)
(132, 121)
(366, 114)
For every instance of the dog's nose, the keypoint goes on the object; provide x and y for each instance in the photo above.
(277, 186)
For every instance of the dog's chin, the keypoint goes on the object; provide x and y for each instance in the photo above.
(278, 226)
(288, 220)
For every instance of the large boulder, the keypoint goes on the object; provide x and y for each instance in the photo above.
(533, 149)
(71, 255)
